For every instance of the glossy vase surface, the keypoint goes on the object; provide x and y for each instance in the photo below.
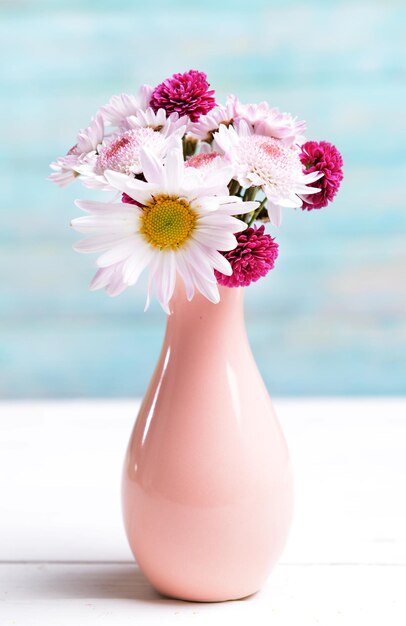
(207, 485)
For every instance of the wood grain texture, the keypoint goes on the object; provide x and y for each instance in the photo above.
(61, 463)
(63, 554)
(331, 317)
(45, 594)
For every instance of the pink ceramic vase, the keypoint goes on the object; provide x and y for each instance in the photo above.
(207, 486)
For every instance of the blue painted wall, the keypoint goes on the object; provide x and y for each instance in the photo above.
(331, 318)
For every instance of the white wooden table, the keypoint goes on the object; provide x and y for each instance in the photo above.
(64, 559)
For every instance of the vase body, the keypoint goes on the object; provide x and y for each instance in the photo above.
(207, 486)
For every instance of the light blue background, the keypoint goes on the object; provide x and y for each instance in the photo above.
(330, 319)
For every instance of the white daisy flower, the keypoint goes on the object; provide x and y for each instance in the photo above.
(177, 226)
(262, 161)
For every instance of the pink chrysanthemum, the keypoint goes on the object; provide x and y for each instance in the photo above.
(123, 153)
(253, 258)
(323, 157)
(186, 94)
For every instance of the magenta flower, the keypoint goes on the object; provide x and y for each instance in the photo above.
(323, 157)
(253, 257)
(186, 94)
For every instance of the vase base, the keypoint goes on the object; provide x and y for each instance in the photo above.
(210, 599)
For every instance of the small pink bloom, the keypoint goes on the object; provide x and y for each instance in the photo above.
(185, 94)
(322, 157)
(120, 107)
(253, 258)
(88, 140)
(123, 154)
(271, 122)
(281, 126)
(208, 124)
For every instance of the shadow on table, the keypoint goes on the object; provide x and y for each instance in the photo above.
(106, 581)
(100, 581)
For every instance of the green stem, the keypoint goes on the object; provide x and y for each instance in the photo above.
(257, 212)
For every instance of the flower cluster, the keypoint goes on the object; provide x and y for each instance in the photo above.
(189, 178)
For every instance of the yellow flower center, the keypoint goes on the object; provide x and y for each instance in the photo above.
(167, 221)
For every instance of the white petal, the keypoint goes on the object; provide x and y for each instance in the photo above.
(239, 208)
(137, 189)
(218, 261)
(93, 181)
(174, 168)
(217, 240)
(312, 177)
(274, 213)
(168, 278)
(305, 190)
(135, 265)
(164, 278)
(197, 259)
(222, 222)
(97, 243)
(120, 252)
(244, 129)
(104, 208)
(213, 190)
(205, 205)
(101, 278)
(105, 224)
(151, 285)
(220, 177)
(116, 285)
(206, 288)
(185, 274)
(152, 167)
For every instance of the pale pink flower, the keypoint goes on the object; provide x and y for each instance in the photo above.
(265, 162)
(282, 126)
(271, 122)
(251, 112)
(88, 141)
(167, 125)
(208, 124)
(121, 106)
(122, 154)
(65, 170)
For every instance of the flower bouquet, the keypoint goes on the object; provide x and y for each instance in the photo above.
(207, 486)
(191, 180)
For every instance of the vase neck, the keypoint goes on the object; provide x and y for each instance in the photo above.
(190, 315)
